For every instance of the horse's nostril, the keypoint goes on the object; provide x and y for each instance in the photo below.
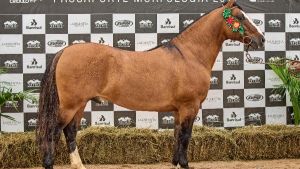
(263, 39)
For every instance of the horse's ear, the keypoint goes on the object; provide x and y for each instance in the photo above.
(230, 3)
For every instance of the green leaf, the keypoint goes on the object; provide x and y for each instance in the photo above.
(226, 13)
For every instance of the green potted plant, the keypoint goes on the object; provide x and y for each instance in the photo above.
(6, 94)
(291, 83)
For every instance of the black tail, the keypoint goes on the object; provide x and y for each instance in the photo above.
(48, 107)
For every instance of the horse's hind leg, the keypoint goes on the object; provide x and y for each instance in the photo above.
(70, 132)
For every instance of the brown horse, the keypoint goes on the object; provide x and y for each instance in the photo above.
(173, 77)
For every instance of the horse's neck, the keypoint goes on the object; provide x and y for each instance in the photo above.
(204, 38)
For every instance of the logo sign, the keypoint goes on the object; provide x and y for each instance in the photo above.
(233, 98)
(147, 120)
(166, 120)
(213, 100)
(33, 83)
(123, 23)
(254, 79)
(295, 42)
(33, 25)
(233, 80)
(168, 23)
(292, 22)
(9, 64)
(276, 115)
(56, 24)
(145, 23)
(56, 43)
(124, 41)
(216, 80)
(103, 105)
(16, 125)
(274, 99)
(77, 23)
(212, 117)
(10, 24)
(257, 22)
(101, 24)
(103, 118)
(125, 119)
(14, 81)
(275, 41)
(254, 60)
(11, 44)
(234, 117)
(79, 38)
(12, 106)
(30, 121)
(33, 44)
(255, 116)
(254, 97)
(233, 61)
(275, 22)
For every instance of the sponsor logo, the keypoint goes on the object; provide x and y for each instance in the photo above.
(212, 118)
(32, 122)
(79, 24)
(10, 83)
(254, 60)
(57, 24)
(11, 64)
(78, 41)
(33, 25)
(9, 104)
(147, 120)
(56, 43)
(146, 24)
(257, 22)
(22, 1)
(10, 25)
(33, 44)
(11, 122)
(232, 43)
(102, 121)
(274, 23)
(275, 42)
(168, 120)
(212, 99)
(254, 97)
(296, 57)
(233, 80)
(102, 103)
(293, 116)
(254, 117)
(167, 24)
(125, 121)
(34, 83)
(275, 98)
(10, 44)
(254, 80)
(295, 23)
(233, 61)
(101, 40)
(295, 42)
(101, 24)
(123, 23)
(233, 118)
(233, 99)
(34, 65)
(124, 43)
(164, 41)
(148, 43)
(214, 80)
(187, 22)
(274, 59)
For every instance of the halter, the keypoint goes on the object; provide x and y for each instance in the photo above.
(236, 26)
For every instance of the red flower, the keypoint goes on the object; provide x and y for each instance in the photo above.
(230, 20)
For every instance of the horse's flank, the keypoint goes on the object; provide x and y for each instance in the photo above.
(155, 80)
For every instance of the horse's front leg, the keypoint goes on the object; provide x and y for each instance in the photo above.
(184, 120)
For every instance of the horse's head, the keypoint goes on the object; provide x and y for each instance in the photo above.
(238, 26)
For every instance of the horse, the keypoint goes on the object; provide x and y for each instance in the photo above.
(170, 78)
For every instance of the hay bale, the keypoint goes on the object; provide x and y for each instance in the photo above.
(267, 142)
(20, 150)
(118, 146)
(211, 144)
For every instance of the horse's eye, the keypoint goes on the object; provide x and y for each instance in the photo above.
(240, 17)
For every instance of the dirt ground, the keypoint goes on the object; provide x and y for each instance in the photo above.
(267, 164)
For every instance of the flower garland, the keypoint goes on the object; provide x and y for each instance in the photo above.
(233, 22)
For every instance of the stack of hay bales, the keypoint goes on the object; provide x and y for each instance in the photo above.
(141, 146)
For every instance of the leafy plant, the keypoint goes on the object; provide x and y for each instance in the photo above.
(291, 84)
(7, 95)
